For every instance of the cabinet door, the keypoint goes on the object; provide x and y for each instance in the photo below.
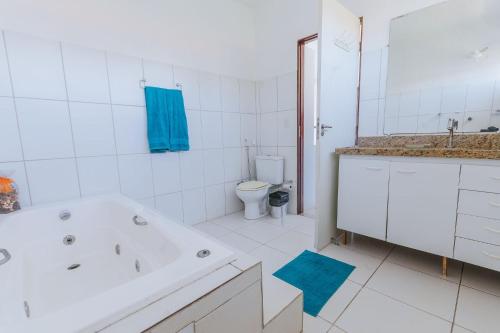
(362, 202)
(422, 206)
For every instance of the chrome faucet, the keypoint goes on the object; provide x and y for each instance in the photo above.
(452, 127)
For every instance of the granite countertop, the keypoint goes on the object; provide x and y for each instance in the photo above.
(476, 146)
(421, 152)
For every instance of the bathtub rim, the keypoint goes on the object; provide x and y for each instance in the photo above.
(85, 321)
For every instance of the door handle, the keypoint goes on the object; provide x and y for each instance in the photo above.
(324, 128)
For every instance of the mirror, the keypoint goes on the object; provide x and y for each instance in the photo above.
(444, 63)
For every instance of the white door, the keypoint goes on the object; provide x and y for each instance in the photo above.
(338, 80)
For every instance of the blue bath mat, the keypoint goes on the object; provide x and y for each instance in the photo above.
(317, 276)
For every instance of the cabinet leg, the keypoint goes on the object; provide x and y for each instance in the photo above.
(345, 238)
(444, 266)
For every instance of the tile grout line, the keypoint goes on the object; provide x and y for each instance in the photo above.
(70, 119)
(261, 244)
(409, 305)
(264, 243)
(422, 272)
(203, 164)
(393, 298)
(362, 287)
(458, 296)
(233, 231)
(402, 302)
(481, 291)
(153, 187)
(115, 145)
(67, 100)
(16, 111)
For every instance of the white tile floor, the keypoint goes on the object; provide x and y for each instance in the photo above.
(392, 289)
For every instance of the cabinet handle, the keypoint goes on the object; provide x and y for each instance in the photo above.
(494, 204)
(492, 230)
(491, 255)
(407, 172)
(373, 169)
(495, 177)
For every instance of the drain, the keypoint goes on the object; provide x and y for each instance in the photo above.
(27, 309)
(69, 240)
(203, 253)
(118, 249)
(72, 267)
(137, 266)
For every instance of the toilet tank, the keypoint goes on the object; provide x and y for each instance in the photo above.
(270, 169)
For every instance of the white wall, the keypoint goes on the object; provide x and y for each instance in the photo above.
(279, 25)
(277, 124)
(74, 125)
(216, 36)
(377, 16)
(225, 37)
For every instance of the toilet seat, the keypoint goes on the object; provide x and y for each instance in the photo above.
(252, 186)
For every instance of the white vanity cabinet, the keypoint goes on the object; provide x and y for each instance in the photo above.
(422, 206)
(478, 219)
(363, 192)
(448, 207)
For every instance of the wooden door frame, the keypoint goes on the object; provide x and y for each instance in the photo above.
(361, 32)
(300, 119)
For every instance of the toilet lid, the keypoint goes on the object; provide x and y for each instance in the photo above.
(252, 186)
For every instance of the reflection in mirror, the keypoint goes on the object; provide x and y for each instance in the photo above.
(444, 63)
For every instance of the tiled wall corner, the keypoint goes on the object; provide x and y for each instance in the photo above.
(277, 124)
(75, 125)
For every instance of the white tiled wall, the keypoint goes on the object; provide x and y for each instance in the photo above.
(476, 104)
(74, 124)
(373, 77)
(277, 105)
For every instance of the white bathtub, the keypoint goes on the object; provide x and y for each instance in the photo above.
(113, 268)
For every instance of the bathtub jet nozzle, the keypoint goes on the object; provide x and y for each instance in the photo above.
(203, 253)
(69, 240)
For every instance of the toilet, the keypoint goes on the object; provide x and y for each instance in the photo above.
(254, 193)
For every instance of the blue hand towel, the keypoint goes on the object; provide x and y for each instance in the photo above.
(167, 124)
